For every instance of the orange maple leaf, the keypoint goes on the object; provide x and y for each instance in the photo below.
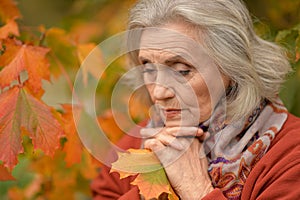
(10, 27)
(9, 10)
(73, 146)
(153, 184)
(21, 57)
(20, 110)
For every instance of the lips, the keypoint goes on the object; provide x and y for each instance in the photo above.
(172, 112)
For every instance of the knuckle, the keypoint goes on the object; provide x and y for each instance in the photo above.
(150, 144)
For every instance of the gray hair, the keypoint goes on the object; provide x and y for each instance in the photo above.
(257, 68)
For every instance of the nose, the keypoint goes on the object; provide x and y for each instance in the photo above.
(161, 92)
(161, 89)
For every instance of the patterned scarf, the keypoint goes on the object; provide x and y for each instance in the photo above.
(234, 149)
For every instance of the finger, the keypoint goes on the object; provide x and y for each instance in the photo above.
(171, 141)
(184, 131)
(165, 154)
(204, 136)
(173, 131)
(154, 145)
(150, 132)
(200, 132)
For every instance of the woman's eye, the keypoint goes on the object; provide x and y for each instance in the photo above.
(149, 71)
(182, 68)
(184, 72)
(148, 68)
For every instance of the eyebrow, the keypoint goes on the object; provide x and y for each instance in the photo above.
(169, 61)
(176, 59)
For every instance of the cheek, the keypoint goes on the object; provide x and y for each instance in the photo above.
(150, 88)
(204, 99)
(201, 90)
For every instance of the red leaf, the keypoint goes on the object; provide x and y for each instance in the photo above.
(18, 58)
(38, 119)
(20, 110)
(5, 175)
(10, 123)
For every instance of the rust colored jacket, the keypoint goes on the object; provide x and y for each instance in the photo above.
(275, 176)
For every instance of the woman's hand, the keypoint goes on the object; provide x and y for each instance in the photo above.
(181, 152)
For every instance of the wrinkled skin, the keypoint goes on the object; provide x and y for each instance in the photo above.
(182, 104)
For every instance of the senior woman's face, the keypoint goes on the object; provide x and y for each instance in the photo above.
(182, 80)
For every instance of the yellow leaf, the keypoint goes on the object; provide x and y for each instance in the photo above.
(151, 180)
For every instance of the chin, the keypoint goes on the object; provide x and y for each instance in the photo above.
(184, 123)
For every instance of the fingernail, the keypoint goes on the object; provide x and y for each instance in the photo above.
(199, 132)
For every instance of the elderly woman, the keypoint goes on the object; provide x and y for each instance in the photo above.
(220, 130)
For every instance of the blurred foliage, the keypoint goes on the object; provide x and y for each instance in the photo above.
(69, 28)
(277, 14)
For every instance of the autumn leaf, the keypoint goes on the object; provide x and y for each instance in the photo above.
(9, 10)
(20, 110)
(89, 167)
(93, 64)
(10, 27)
(20, 57)
(73, 146)
(37, 118)
(5, 174)
(10, 124)
(58, 181)
(15, 193)
(136, 161)
(63, 50)
(110, 127)
(152, 184)
(151, 180)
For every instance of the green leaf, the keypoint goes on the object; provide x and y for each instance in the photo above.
(151, 180)
(136, 161)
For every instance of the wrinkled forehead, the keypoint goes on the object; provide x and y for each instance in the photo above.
(171, 41)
